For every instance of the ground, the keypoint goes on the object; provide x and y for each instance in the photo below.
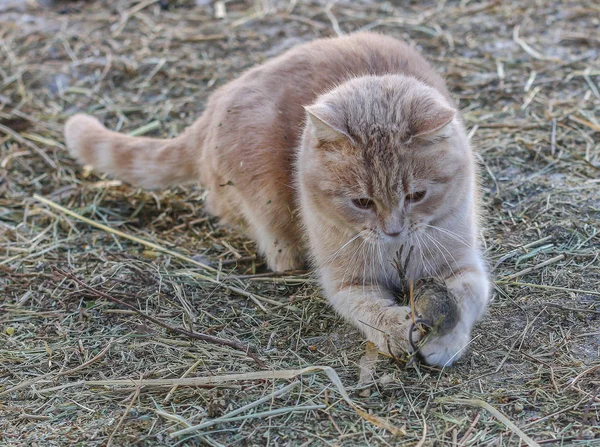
(527, 75)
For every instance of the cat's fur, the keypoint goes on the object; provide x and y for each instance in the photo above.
(286, 148)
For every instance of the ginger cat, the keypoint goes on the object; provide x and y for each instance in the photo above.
(339, 151)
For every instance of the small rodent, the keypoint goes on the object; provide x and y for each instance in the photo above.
(435, 308)
(435, 305)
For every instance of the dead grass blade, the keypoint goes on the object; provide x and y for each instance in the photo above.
(259, 375)
(125, 413)
(67, 373)
(110, 230)
(502, 418)
(211, 422)
(20, 139)
(195, 335)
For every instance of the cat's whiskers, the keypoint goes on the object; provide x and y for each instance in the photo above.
(424, 258)
(382, 260)
(379, 265)
(467, 287)
(364, 275)
(353, 261)
(411, 242)
(317, 272)
(439, 246)
(372, 275)
(332, 257)
(450, 233)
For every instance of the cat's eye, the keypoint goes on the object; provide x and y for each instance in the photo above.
(416, 196)
(363, 203)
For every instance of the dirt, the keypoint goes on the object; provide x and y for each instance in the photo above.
(527, 77)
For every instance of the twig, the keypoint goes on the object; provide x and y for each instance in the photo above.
(291, 273)
(421, 442)
(199, 38)
(185, 374)
(529, 50)
(34, 417)
(334, 22)
(233, 413)
(572, 309)
(130, 13)
(313, 23)
(20, 139)
(508, 126)
(269, 413)
(587, 371)
(144, 129)
(482, 404)
(194, 335)
(535, 267)
(543, 286)
(238, 261)
(253, 296)
(110, 230)
(556, 413)
(133, 399)
(467, 435)
(263, 414)
(587, 123)
(521, 249)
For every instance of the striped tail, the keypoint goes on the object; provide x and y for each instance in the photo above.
(147, 162)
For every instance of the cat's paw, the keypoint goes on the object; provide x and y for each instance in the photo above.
(281, 259)
(392, 332)
(446, 349)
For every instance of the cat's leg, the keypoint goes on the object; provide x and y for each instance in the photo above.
(264, 217)
(277, 235)
(281, 250)
(470, 286)
(375, 312)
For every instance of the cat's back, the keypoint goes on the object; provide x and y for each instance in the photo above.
(315, 67)
(334, 60)
(299, 75)
(273, 94)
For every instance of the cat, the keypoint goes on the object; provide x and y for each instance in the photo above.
(338, 152)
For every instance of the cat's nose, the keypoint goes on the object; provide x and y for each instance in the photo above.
(391, 234)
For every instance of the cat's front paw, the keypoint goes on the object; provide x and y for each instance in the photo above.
(446, 349)
(392, 332)
(284, 258)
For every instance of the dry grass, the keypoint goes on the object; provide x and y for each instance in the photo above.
(527, 74)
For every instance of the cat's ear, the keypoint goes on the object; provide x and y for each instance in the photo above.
(326, 123)
(431, 119)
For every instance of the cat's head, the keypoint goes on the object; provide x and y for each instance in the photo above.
(387, 155)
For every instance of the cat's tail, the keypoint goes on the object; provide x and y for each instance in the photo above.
(146, 162)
